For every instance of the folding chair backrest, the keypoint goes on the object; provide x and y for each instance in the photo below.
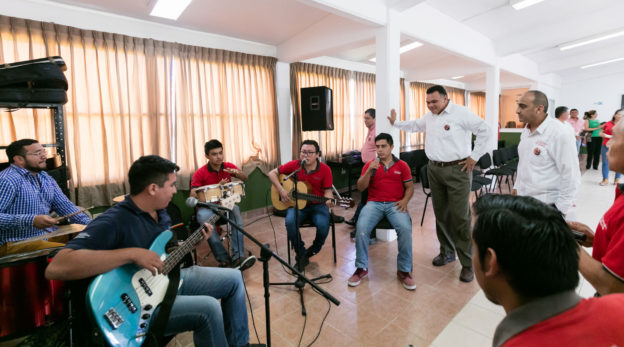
(424, 179)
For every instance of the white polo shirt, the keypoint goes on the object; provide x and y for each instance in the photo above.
(548, 169)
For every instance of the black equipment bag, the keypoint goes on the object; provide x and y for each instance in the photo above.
(34, 81)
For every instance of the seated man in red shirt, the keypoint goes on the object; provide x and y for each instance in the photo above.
(605, 268)
(319, 177)
(390, 187)
(219, 172)
(526, 259)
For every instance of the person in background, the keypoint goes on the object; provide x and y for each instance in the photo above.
(561, 113)
(607, 133)
(368, 154)
(527, 261)
(595, 144)
(577, 125)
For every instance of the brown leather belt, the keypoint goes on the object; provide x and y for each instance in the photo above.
(446, 163)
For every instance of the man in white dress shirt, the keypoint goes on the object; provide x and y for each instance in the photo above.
(548, 169)
(448, 146)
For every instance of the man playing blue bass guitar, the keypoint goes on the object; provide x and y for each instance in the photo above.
(122, 236)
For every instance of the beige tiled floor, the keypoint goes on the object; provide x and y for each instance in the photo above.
(377, 312)
(441, 312)
(474, 325)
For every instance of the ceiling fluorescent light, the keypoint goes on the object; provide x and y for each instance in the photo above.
(602, 63)
(590, 40)
(519, 5)
(457, 77)
(409, 47)
(171, 9)
(403, 49)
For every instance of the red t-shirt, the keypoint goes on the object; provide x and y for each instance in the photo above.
(387, 185)
(206, 175)
(609, 238)
(319, 179)
(592, 322)
(608, 130)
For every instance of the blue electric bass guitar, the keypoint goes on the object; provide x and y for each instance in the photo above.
(123, 300)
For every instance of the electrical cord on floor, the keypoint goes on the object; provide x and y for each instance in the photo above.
(253, 319)
(305, 321)
(322, 322)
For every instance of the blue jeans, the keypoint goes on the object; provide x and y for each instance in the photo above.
(578, 145)
(319, 214)
(197, 307)
(605, 164)
(371, 214)
(238, 247)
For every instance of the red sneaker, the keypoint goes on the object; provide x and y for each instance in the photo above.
(357, 277)
(406, 280)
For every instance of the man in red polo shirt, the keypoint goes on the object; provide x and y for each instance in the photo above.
(526, 260)
(390, 187)
(219, 172)
(319, 177)
(605, 268)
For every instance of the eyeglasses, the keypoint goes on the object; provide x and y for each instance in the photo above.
(307, 152)
(39, 153)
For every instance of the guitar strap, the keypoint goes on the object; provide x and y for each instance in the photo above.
(154, 336)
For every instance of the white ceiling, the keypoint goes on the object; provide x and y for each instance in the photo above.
(535, 32)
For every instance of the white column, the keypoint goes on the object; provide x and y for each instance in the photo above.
(492, 92)
(388, 76)
(406, 85)
(282, 88)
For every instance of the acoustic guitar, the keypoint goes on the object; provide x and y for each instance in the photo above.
(302, 195)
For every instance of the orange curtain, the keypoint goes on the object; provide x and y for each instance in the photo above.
(117, 107)
(364, 92)
(456, 95)
(417, 109)
(227, 96)
(477, 103)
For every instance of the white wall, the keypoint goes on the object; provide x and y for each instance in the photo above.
(602, 94)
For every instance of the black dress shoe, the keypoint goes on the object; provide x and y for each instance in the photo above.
(351, 221)
(302, 262)
(443, 259)
(466, 275)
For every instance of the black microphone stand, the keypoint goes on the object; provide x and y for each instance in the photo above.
(265, 255)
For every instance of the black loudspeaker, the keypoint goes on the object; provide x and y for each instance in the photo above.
(317, 111)
(622, 101)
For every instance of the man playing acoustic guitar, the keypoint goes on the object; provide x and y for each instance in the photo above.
(210, 301)
(318, 176)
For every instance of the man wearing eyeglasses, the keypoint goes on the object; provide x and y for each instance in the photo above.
(319, 178)
(27, 196)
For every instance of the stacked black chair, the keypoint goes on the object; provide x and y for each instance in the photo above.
(499, 171)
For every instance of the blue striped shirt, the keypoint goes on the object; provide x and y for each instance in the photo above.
(23, 196)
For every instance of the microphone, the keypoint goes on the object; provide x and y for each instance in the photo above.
(376, 161)
(192, 202)
(303, 162)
